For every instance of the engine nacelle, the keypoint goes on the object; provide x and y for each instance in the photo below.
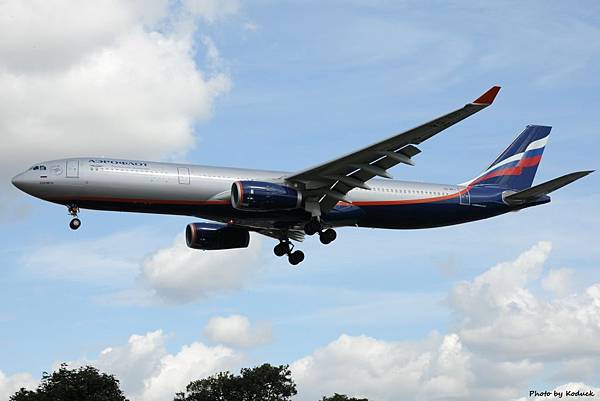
(211, 236)
(264, 196)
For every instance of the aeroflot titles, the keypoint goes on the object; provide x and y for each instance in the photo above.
(122, 162)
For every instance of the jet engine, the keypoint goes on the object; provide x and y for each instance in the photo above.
(211, 236)
(264, 196)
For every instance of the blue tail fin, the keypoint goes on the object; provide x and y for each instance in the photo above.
(515, 168)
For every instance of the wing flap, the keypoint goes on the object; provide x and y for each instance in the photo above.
(282, 235)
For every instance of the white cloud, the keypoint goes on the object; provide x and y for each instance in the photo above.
(500, 315)
(180, 274)
(558, 281)
(435, 368)
(13, 383)
(562, 328)
(192, 362)
(505, 338)
(148, 372)
(236, 331)
(213, 56)
(502, 286)
(114, 258)
(144, 273)
(100, 78)
(586, 369)
(134, 362)
(521, 339)
(251, 26)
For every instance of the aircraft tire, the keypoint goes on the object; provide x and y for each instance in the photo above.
(75, 224)
(312, 227)
(328, 236)
(281, 249)
(296, 257)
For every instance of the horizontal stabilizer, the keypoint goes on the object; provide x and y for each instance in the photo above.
(545, 188)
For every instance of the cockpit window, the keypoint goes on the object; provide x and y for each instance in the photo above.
(36, 167)
(43, 168)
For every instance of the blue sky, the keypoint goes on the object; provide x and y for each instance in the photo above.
(288, 85)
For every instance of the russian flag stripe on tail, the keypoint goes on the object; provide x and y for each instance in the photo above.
(515, 168)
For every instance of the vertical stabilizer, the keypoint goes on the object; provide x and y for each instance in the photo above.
(515, 168)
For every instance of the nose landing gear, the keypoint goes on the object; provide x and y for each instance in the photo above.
(75, 222)
(285, 248)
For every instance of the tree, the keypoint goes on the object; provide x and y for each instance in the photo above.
(220, 387)
(82, 384)
(342, 397)
(261, 383)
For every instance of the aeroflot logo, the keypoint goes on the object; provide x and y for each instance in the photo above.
(119, 162)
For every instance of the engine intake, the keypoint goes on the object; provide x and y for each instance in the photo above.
(211, 236)
(264, 196)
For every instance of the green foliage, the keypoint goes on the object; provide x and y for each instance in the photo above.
(262, 383)
(82, 384)
(341, 397)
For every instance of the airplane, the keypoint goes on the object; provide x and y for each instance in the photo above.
(287, 206)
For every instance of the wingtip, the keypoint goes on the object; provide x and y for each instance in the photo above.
(581, 174)
(488, 97)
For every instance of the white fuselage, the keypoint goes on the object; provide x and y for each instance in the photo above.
(116, 179)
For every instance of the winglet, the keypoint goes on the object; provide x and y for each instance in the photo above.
(488, 97)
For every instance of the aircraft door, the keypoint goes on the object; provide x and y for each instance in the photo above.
(72, 168)
(465, 198)
(184, 175)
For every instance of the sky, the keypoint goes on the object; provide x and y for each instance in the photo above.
(486, 310)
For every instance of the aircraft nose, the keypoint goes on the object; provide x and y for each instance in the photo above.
(18, 181)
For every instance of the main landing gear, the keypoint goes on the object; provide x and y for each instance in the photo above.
(314, 226)
(75, 222)
(285, 248)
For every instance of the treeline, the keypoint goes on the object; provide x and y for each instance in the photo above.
(261, 383)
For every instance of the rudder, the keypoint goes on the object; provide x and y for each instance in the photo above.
(515, 168)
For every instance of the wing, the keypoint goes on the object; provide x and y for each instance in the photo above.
(328, 183)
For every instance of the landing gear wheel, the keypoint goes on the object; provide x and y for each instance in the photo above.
(296, 257)
(281, 249)
(327, 236)
(312, 227)
(75, 224)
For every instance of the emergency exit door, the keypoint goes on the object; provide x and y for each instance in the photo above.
(184, 175)
(72, 168)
